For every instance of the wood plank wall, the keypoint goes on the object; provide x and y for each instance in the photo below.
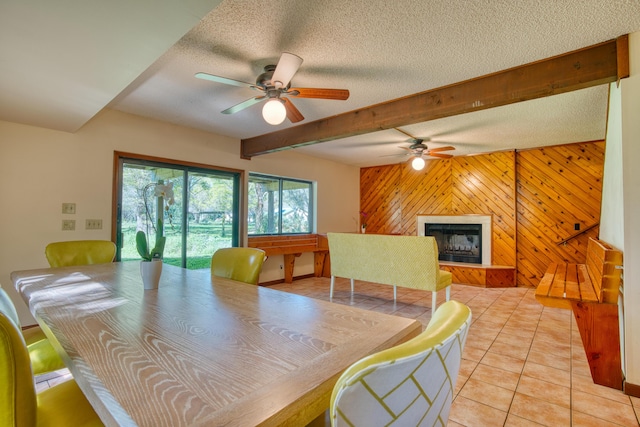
(380, 198)
(535, 197)
(473, 194)
(558, 187)
(428, 190)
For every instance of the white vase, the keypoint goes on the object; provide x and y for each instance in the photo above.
(363, 230)
(150, 272)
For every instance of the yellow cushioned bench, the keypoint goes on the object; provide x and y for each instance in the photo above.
(406, 261)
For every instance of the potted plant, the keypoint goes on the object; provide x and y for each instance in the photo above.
(363, 222)
(151, 264)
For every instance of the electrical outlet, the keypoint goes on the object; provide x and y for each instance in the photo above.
(93, 224)
(68, 208)
(68, 224)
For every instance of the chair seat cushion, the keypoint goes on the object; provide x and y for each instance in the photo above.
(44, 357)
(445, 278)
(65, 405)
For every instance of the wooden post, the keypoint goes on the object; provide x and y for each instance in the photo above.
(600, 333)
(289, 262)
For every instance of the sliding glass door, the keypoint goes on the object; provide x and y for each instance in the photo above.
(212, 216)
(200, 216)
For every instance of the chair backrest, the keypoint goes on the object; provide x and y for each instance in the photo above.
(8, 308)
(407, 385)
(80, 252)
(406, 261)
(17, 390)
(241, 264)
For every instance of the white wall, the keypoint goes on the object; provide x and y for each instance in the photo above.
(40, 169)
(620, 219)
(631, 191)
(612, 212)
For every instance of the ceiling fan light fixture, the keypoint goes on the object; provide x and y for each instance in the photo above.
(417, 163)
(274, 112)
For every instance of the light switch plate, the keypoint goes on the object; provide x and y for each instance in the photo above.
(93, 224)
(68, 224)
(68, 208)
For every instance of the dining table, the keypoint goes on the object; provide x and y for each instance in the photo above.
(200, 350)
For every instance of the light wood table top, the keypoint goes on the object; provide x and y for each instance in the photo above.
(198, 351)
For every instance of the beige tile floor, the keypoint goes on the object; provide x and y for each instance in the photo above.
(523, 364)
(45, 381)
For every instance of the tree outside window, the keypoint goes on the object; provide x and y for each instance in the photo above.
(279, 205)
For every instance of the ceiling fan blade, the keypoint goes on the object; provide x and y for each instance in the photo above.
(405, 148)
(224, 80)
(440, 155)
(406, 133)
(244, 104)
(293, 114)
(305, 92)
(285, 70)
(448, 148)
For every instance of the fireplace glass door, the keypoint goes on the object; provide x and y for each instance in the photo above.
(457, 242)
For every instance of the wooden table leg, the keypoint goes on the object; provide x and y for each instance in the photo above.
(289, 262)
(318, 261)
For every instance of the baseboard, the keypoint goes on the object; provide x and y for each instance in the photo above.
(631, 389)
(271, 283)
(277, 282)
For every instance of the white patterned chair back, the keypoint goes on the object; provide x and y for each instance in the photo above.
(411, 384)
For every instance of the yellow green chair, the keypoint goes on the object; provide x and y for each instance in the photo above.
(407, 385)
(80, 252)
(44, 357)
(241, 264)
(61, 405)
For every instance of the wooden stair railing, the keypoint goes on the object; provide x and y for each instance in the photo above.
(574, 235)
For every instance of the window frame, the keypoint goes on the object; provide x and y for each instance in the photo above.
(120, 157)
(311, 209)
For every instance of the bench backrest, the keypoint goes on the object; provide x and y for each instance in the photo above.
(279, 244)
(601, 263)
(407, 261)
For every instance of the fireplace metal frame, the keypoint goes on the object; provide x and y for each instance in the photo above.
(457, 242)
(485, 220)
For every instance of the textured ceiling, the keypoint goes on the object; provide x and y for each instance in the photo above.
(379, 50)
(62, 62)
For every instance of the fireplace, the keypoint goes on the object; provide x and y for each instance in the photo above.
(457, 242)
(460, 238)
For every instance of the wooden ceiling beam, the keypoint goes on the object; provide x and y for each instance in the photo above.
(595, 65)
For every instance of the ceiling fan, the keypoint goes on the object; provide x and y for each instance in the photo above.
(418, 149)
(274, 83)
